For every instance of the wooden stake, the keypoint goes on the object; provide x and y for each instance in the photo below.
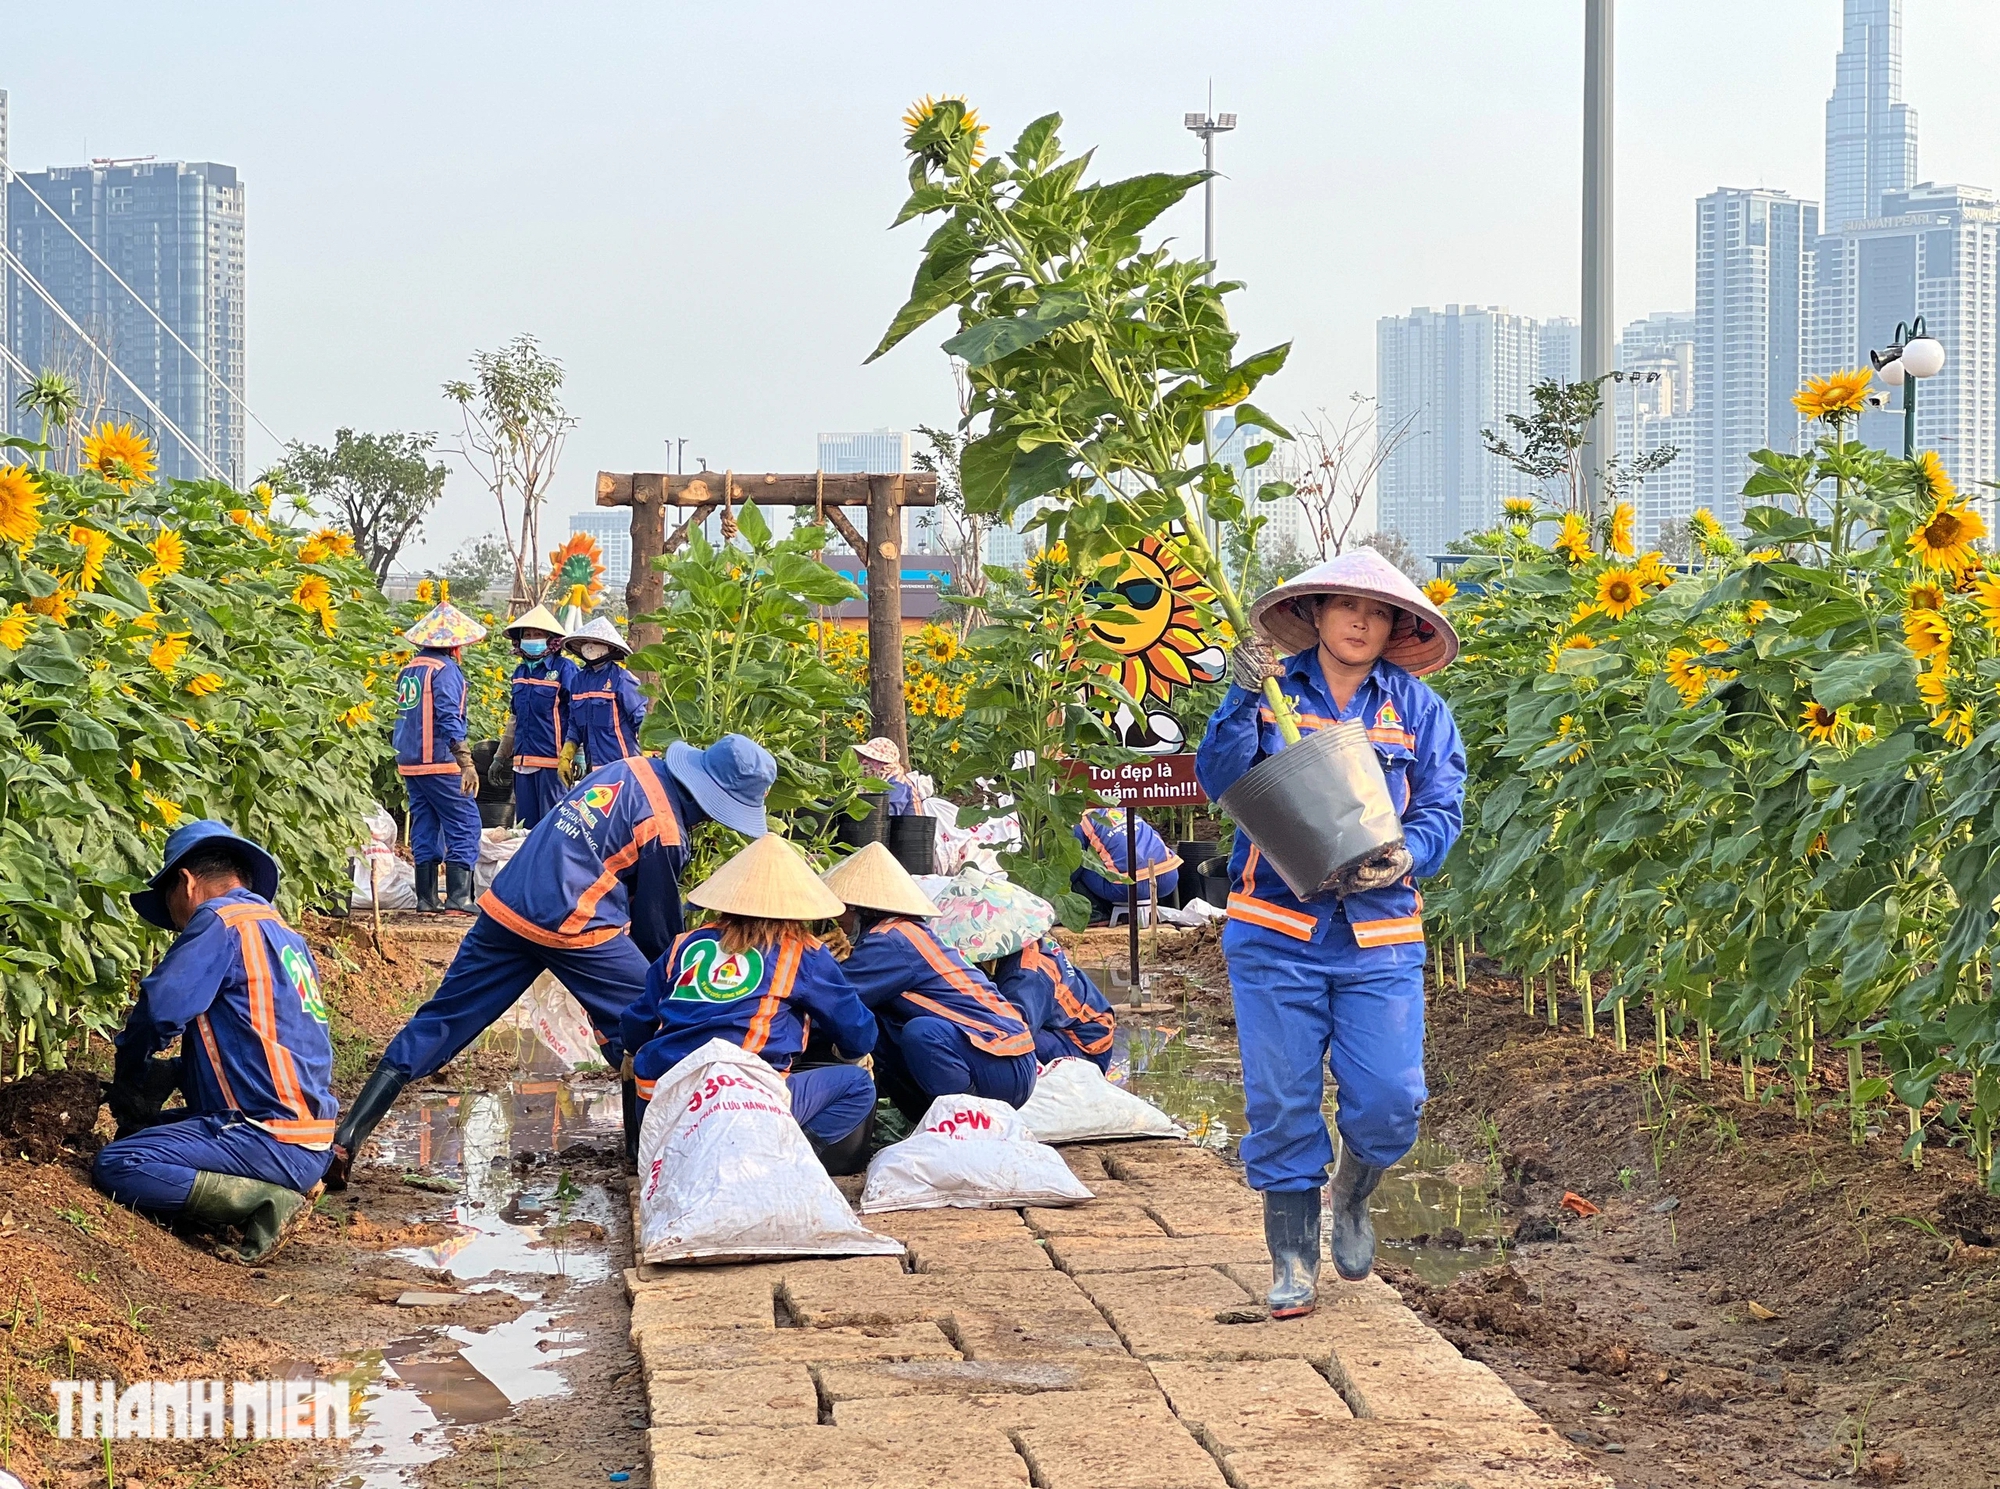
(1458, 958)
(1554, 1006)
(1659, 1029)
(1857, 1127)
(1528, 993)
(1917, 1132)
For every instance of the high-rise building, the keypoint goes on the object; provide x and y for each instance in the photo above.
(873, 450)
(613, 530)
(1753, 288)
(1560, 354)
(1653, 405)
(1871, 134)
(173, 231)
(1452, 374)
(1285, 530)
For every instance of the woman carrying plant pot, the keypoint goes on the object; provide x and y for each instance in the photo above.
(606, 706)
(1335, 978)
(538, 724)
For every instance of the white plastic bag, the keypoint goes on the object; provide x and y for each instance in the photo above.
(725, 1172)
(1074, 1103)
(548, 1011)
(971, 1153)
(496, 846)
(378, 873)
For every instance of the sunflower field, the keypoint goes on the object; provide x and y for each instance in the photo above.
(1759, 795)
(167, 651)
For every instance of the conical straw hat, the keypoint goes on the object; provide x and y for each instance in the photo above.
(1421, 640)
(873, 880)
(601, 629)
(445, 625)
(769, 880)
(538, 619)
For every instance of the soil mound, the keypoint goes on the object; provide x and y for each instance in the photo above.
(48, 1111)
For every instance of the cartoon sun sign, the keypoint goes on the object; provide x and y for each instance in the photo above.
(1148, 615)
(576, 573)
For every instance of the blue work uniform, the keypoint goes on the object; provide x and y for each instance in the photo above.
(1070, 1017)
(257, 1062)
(605, 711)
(764, 999)
(430, 719)
(591, 895)
(540, 700)
(1327, 981)
(1102, 833)
(946, 1031)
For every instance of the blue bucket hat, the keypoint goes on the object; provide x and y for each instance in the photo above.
(151, 902)
(728, 779)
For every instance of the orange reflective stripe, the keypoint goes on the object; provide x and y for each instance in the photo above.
(445, 768)
(1306, 720)
(1393, 932)
(665, 823)
(310, 1134)
(536, 682)
(618, 728)
(1272, 917)
(790, 950)
(616, 864)
(1089, 1046)
(536, 762)
(244, 920)
(1401, 737)
(1170, 862)
(645, 1089)
(1037, 960)
(942, 964)
(590, 695)
(521, 926)
(430, 673)
(215, 1062)
(984, 1036)
(1090, 833)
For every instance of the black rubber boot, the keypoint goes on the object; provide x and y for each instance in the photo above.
(458, 889)
(634, 1117)
(847, 1155)
(1291, 1231)
(1353, 1242)
(266, 1213)
(369, 1108)
(427, 885)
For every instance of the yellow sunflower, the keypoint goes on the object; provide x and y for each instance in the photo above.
(167, 652)
(358, 715)
(937, 644)
(1755, 611)
(1440, 591)
(1925, 632)
(1820, 723)
(169, 551)
(170, 812)
(1933, 682)
(920, 113)
(426, 592)
(1619, 592)
(1956, 725)
(204, 683)
(20, 505)
(312, 593)
(1568, 728)
(55, 606)
(95, 546)
(1934, 480)
(1687, 679)
(1568, 643)
(1986, 595)
(14, 627)
(1653, 571)
(1573, 542)
(1835, 399)
(1621, 529)
(1945, 541)
(120, 454)
(262, 493)
(1518, 507)
(1926, 597)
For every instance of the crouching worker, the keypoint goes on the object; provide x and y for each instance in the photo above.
(251, 1146)
(1074, 1020)
(754, 976)
(1106, 876)
(946, 1031)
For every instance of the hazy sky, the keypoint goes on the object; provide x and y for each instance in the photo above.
(688, 204)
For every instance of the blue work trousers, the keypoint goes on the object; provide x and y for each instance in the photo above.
(828, 1101)
(536, 795)
(493, 968)
(1051, 1046)
(930, 1057)
(1303, 1007)
(153, 1170)
(444, 821)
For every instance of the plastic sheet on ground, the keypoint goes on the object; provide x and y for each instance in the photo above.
(969, 1153)
(1074, 1103)
(978, 847)
(726, 1173)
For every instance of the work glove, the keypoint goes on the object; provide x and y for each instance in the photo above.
(501, 772)
(137, 1096)
(625, 1071)
(864, 1062)
(566, 765)
(1253, 663)
(468, 773)
(1378, 870)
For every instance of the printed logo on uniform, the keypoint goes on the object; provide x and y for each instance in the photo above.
(409, 692)
(705, 975)
(1388, 718)
(298, 966)
(599, 798)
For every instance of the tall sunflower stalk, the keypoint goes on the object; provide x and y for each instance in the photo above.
(1093, 361)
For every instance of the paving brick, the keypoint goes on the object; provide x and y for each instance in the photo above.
(1101, 1218)
(1194, 1209)
(755, 1396)
(1140, 1455)
(1098, 1373)
(1399, 1455)
(832, 1458)
(1167, 1157)
(1017, 1252)
(708, 1298)
(1109, 1412)
(1086, 1161)
(651, 1275)
(1246, 1402)
(1080, 1254)
(729, 1349)
(946, 1223)
(1398, 1369)
(832, 1300)
(1057, 1333)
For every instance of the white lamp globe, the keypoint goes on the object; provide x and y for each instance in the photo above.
(1923, 356)
(1892, 372)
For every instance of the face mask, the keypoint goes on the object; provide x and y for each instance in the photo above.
(594, 651)
(534, 648)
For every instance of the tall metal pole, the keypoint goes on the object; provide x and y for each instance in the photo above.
(1597, 216)
(1208, 125)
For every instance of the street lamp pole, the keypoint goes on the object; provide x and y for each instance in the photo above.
(1208, 125)
(1914, 355)
(1595, 332)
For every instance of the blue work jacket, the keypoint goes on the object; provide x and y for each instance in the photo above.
(540, 701)
(1102, 833)
(1053, 994)
(901, 971)
(605, 711)
(430, 714)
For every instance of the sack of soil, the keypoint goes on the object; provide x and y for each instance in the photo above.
(726, 1174)
(973, 1154)
(1074, 1103)
(379, 875)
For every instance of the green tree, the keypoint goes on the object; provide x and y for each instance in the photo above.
(514, 429)
(476, 565)
(378, 488)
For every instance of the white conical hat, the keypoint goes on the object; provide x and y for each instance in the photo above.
(1421, 641)
(600, 629)
(538, 619)
(770, 880)
(872, 880)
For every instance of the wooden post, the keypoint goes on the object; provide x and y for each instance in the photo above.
(645, 591)
(885, 610)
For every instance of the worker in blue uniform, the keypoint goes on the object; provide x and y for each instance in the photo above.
(755, 976)
(591, 895)
(1071, 1018)
(538, 725)
(239, 989)
(434, 759)
(946, 1031)
(881, 758)
(1331, 981)
(1106, 874)
(606, 707)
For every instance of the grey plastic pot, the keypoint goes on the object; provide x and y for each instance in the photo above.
(1316, 807)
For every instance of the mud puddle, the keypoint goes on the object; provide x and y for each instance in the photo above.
(1433, 1212)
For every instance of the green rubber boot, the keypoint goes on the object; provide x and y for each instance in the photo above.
(267, 1214)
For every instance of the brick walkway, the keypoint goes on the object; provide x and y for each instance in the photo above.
(1069, 1349)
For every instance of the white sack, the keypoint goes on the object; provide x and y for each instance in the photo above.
(552, 1015)
(725, 1172)
(379, 872)
(1074, 1103)
(496, 846)
(971, 1153)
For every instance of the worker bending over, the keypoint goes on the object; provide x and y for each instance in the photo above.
(1070, 1017)
(1106, 875)
(434, 760)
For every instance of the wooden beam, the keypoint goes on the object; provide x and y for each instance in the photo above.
(885, 611)
(841, 525)
(812, 489)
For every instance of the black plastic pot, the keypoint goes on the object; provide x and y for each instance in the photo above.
(859, 832)
(1193, 854)
(1214, 873)
(913, 842)
(1316, 807)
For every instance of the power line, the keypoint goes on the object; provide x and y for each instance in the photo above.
(151, 407)
(221, 381)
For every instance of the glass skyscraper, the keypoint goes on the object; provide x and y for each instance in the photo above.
(1871, 134)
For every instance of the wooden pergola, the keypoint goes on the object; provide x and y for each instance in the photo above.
(651, 495)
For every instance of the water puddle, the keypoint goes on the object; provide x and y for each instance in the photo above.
(1433, 1211)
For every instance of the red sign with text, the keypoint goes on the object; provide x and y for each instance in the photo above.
(1157, 781)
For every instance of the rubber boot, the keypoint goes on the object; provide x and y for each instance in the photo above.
(847, 1155)
(458, 889)
(1291, 1231)
(1353, 1243)
(634, 1118)
(427, 885)
(267, 1214)
(369, 1108)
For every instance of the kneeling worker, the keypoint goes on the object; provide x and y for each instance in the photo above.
(1106, 875)
(946, 1031)
(258, 1063)
(592, 895)
(1073, 1020)
(754, 976)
